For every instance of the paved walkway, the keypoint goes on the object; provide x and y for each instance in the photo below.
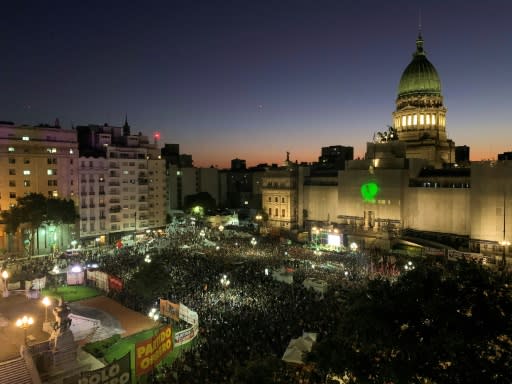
(113, 317)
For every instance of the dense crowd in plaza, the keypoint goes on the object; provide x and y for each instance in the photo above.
(252, 319)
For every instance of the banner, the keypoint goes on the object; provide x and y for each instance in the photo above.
(188, 315)
(14, 286)
(116, 372)
(75, 278)
(149, 352)
(38, 283)
(115, 283)
(99, 279)
(186, 335)
(169, 309)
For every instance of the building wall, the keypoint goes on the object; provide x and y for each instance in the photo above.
(388, 205)
(321, 202)
(36, 160)
(123, 185)
(491, 200)
(444, 210)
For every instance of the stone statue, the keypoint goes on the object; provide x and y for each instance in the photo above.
(62, 320)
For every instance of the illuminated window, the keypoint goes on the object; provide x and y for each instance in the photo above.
(10, 149)
(433, 119)
(70, 151)
(25, 138)
(409, 120)
(415, 120)
(422, 119)
(404, 121)
(55, 194)
(51, 172)
(26, 183)
(51, 150)
(428, 119)
(26, 172)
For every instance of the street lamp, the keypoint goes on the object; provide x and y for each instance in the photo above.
(73, 244)
(24, 323)
(5, 276)
(253, 242)
(409, 266)
(154, 314)
(353, 247)
(147, 259)
(46, 302)
(504, 244)
(225, 283)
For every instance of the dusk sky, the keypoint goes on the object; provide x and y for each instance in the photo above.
(254, 79)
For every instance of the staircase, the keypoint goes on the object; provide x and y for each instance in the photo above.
(15, 371)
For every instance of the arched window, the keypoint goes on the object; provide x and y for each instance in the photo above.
(415, 120)
(404, 121)
(428, 119)
(409, 120)
(433, 119)
(422, 119)
(270, 211)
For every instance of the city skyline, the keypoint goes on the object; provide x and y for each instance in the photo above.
(254, 80)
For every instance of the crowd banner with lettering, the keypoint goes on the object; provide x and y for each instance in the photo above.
(38, 283)
(149, 352)
(169, 309)
(14, 286)
(115, 283)
(183, 337)
(99, 279)
(187, 314)
(119, 372)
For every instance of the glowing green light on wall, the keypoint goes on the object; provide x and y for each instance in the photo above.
(369, 191)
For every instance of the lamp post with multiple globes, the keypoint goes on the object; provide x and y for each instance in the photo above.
(24, 323)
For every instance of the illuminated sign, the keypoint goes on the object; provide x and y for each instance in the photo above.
(369, 191)
(149, 352)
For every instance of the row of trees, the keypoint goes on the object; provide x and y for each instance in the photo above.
(35, 210)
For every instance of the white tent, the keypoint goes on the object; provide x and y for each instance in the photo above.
(297, 348)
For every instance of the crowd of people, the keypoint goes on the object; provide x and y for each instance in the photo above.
(249, 321)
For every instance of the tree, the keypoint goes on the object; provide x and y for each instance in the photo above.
(201, 199)
(34, 210)
(432, 325)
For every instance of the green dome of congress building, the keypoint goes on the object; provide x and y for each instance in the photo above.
(420, 77)
(420, 115)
